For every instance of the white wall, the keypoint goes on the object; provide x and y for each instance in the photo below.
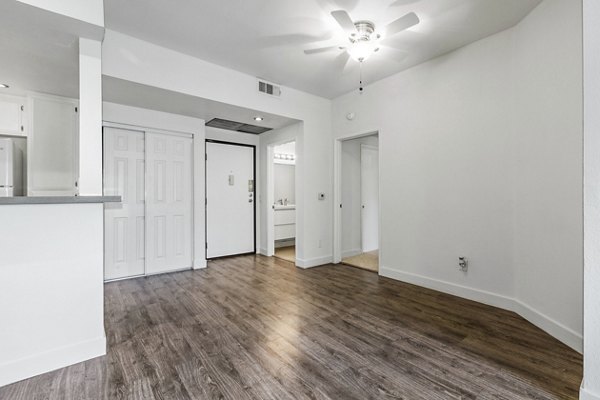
(547, 178)
(139, 117)
(351, 194)
(462, 140)
(131, 59)
(51, 288)
(591, 351)
(285, 182)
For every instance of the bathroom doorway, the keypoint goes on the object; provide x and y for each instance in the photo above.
(282, 188)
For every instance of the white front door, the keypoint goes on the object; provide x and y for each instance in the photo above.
(369, 178)
(124, 228)
(168, 202)
(229, 199)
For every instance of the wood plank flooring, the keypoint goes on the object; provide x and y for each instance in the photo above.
(253, 327)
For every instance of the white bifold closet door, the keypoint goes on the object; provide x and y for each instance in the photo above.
(168, 202)
(124, 227)
(151, 230)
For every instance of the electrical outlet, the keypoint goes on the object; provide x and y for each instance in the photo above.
(463, 264)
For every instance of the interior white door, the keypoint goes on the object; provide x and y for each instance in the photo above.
(369, 178)
(229, 199)
(168, 202)
(124, 230)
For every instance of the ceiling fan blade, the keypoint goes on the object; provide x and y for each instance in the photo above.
(321, 50)
(402, 24)
(343, 18)
(394, 54)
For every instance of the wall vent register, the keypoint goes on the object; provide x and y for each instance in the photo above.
(269, 88)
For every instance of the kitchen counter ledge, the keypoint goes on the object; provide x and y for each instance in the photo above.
(16, 200)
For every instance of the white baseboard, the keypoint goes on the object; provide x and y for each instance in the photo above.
(199, 264)
(351, 253)
(584, 394)
(547, 324)
(313, 262)
(14, 371)
(263, 251)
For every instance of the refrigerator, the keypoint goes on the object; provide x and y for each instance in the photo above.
(11, 169)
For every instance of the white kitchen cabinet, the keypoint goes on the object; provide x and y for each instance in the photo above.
(12, 121)
(52, 148)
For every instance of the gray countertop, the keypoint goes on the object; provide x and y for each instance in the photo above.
(58, 199)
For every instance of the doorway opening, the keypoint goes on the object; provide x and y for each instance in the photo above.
(357, 190)
(281, 184)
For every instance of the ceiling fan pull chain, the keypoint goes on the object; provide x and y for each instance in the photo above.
(360, 88)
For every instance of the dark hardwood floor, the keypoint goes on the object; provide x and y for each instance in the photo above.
(253, 327)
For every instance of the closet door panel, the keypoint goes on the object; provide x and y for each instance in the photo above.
(124, 223)
(169, 202)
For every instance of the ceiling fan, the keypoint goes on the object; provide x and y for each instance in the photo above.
(364, 39)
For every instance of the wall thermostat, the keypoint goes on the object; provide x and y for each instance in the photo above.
(321, 196)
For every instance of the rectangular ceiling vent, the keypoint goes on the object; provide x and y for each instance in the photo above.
(269, 88)
(236, 126)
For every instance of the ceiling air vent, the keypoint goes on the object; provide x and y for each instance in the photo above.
(236, 126)
(269, 88)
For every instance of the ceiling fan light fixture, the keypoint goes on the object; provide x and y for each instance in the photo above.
(362, 50)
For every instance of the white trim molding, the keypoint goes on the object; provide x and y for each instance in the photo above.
(584, 394)
(199, 264)
(313, 262)
(17, 370)
(547, 324)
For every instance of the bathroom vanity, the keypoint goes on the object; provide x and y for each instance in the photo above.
(285, 221)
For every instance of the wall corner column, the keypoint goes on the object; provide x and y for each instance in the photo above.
(590, 389)
(90, 117)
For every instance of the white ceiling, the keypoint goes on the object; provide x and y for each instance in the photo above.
(152, 98)
(40, 50)
(266, 38)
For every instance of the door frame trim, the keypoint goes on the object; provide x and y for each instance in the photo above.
(206, 194)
